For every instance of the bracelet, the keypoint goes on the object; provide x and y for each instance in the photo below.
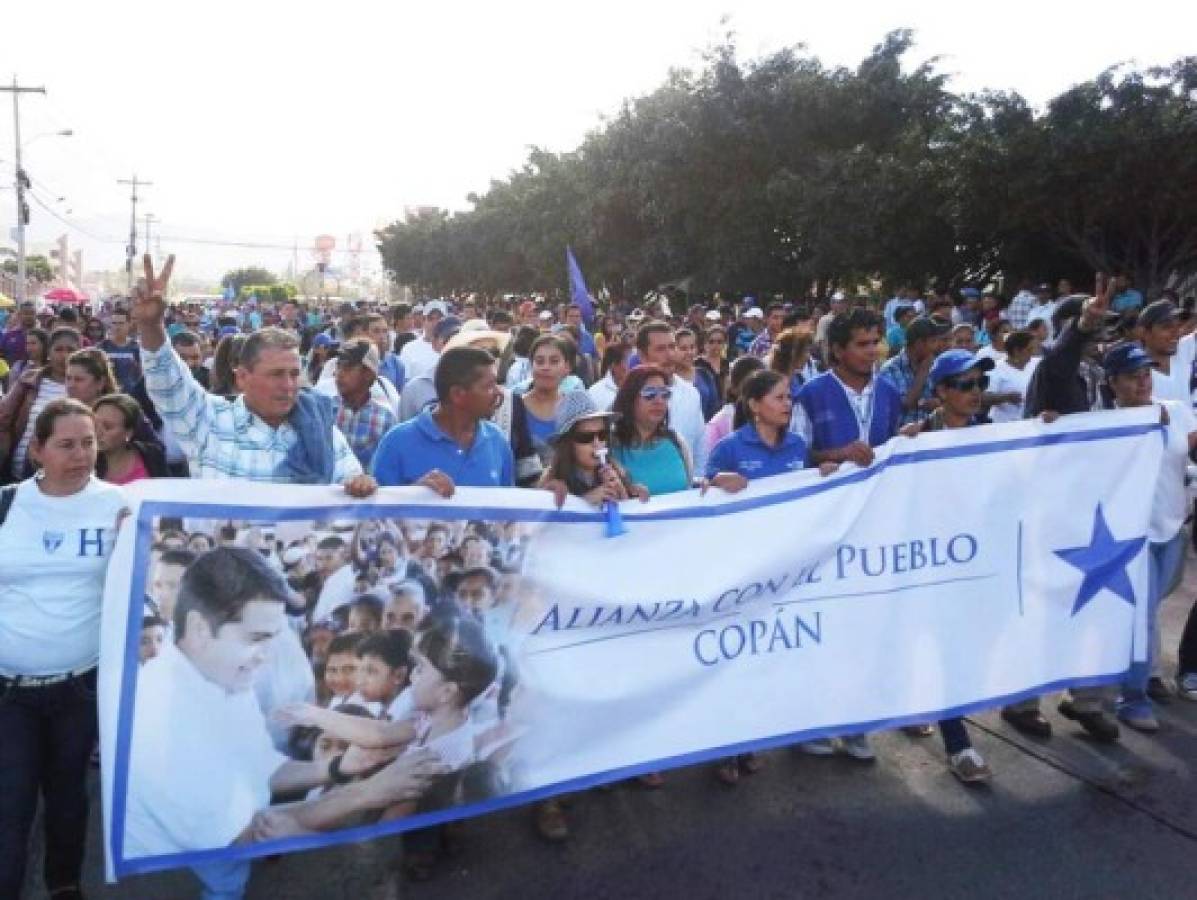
(334, 771)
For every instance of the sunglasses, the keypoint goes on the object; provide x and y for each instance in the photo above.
(589, 437)
(968, 384)
(655, 393)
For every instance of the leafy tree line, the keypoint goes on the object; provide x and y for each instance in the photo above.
(783, 175)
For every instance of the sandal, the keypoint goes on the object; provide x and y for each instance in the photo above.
(728, 772)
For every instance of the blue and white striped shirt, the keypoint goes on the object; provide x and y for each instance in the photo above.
(222, 438)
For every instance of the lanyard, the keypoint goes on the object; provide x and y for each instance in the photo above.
(864, 418)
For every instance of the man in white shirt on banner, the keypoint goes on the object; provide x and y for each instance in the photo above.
(1009, 379)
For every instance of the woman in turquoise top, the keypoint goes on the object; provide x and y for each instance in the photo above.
(642, 442)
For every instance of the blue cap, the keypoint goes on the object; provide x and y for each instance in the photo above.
(951, 363)
(1125, 357)
(971, 292)
(322, 340)
(229, 329)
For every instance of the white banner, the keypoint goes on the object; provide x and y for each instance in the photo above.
(962, 571)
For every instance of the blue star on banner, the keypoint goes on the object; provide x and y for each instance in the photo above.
(1104, 563)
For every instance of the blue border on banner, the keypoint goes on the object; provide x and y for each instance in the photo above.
(151, 509)
(147, 864)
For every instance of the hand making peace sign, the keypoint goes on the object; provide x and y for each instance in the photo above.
(149, 303)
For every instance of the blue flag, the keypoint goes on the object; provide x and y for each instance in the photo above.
(577, 287)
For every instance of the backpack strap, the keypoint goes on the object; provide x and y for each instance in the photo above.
(7, 495)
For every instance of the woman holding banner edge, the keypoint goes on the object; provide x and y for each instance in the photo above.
(56, 536)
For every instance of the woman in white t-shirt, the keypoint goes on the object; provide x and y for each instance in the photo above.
(55, 541)
(1128, 372)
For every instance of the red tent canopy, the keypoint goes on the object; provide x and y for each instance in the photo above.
(66, 295)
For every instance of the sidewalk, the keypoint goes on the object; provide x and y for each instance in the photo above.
(1061, 818)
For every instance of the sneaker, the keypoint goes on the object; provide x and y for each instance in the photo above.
(1186, 686)
(857, 746)
(969, 767)
(1158, 689)
(1028, 721)
(1098, 724)
(1140, 719)
(818, 747)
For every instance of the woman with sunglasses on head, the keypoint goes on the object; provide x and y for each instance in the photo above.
(958, 380)
(642, 442)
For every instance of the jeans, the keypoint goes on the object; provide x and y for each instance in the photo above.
(1164, 558)
(223, 880)
(955, 736)
(46, 738)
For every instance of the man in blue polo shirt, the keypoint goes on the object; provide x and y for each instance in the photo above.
(453, 442)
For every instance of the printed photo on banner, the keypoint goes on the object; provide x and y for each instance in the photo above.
(302, 677)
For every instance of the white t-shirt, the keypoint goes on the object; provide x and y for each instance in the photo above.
(1175, 384)
(336, 592)
(685, 418)
(1002, 380)
(603, 392)
(200, 760)
(1168, 507)
(1043, 311)
(53, 556)
(418, 358)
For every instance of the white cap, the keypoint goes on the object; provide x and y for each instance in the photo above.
(713, 315)
(545, 314)
(754, 312)
(436, 306)
(838, 295)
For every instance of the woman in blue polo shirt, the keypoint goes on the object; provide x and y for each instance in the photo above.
(762, 443)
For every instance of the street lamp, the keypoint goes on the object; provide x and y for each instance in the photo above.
(23, 183)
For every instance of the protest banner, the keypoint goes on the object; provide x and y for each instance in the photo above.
(963, 570)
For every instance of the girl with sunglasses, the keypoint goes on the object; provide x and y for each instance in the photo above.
(642, 442)
(579, 466)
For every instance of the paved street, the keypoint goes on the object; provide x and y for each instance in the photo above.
(1062, 818)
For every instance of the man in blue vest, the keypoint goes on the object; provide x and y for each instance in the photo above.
(842, 415)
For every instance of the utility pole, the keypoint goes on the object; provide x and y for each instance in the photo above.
(149, 217)
(131, 250)
(22, 180)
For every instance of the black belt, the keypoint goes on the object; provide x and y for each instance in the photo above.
(36, 681)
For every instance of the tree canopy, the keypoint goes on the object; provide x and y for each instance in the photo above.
(780, 174)
(252, 275)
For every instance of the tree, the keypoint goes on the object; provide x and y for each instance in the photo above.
(239, 278)
(36, 267)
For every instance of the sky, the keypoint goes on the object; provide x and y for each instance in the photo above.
(271, 123)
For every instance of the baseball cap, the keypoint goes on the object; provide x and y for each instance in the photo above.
(360, 352)
(636, 315)
(713, 315)
(436, 306)
(320, 340)
(545, 314)
(955, 362)
(754, 312)
(1125, 357)
(1157, 313)
(925, 327)
(971, 292)
(230, 330)
(1044, 287)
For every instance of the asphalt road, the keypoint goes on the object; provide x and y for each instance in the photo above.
(1061, 818)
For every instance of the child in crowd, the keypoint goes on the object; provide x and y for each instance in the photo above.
(153, 634)
(383, 665)
(340, 670)
(365, 614)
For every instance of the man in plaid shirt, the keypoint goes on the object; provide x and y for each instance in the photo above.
(254, 436)
(926, 338)
(360, 417)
